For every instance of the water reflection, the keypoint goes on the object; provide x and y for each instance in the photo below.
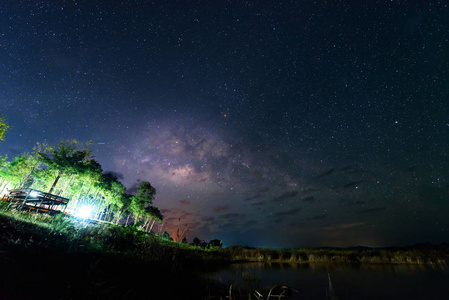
(361, 281)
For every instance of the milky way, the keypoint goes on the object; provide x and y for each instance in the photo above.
(276, 123)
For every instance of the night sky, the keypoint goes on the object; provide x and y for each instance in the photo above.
(261, 123)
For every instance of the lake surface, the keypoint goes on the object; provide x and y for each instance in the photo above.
(349, 282)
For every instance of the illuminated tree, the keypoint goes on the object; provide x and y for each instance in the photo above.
(5, 177)
(20, 169)
(67, 159)
(152, 214)
(143, 198)
(113, 196)
(3, 128)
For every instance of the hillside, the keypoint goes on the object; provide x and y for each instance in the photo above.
(40, 262)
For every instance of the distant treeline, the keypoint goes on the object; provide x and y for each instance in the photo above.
(354, 256)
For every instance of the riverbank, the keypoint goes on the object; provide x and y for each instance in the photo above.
(422, 255)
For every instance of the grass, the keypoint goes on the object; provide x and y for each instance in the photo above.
(431, 256)
(58, 257)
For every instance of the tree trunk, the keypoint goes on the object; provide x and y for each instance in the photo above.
(1, 193)
(95, 197)
(26, 178)
(146, 224)
(67, 186)
(78, 197)
(87, 194)
(118, 218)
(98, 213)
(108, 213)
(127, 219)
(152, 224)
(54, 183)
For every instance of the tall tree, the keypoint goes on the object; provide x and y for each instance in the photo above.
(143, 198)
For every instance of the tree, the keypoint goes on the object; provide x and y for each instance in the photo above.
(199, 243)
(215, 244)
(167, 236)
(21, 169)
(3, 128)
(152, 214)
(114, 195)
(67, 159)
(143, 198)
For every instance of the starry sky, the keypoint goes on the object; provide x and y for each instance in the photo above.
(261, 123)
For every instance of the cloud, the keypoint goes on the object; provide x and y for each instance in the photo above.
(324, 174)
(309, 199)
(285, 196)
(259, 194)
(318, 217)
(253, 197)
(230, 216)
(352, 183)
(343, 226)
(290, 212)
(373, 210)
(220, 208)
(185, 202)
(260, 203)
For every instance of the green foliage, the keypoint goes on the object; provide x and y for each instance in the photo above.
(69, 170)
(141, 205)
(144, 197)
(4, 126)
(215, 244)
(68, 159)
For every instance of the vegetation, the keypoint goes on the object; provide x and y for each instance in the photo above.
(98, 258)
(412, 255)
(89, 260)
(69, 170)
(3, 128)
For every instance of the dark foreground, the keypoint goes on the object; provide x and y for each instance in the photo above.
(44, 266)
(64, 261)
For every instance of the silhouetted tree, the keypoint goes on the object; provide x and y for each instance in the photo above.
(215, 244)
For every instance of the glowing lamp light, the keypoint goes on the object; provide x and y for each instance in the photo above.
(34, 194)
(84, 212)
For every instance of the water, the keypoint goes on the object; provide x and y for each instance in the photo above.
(349, 282)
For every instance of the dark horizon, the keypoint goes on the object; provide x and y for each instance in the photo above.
(272, 124)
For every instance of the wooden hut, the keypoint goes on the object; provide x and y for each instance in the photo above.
(37, 200)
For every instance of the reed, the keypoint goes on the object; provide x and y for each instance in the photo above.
(341, 256)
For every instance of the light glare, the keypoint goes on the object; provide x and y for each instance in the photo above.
(84, 212)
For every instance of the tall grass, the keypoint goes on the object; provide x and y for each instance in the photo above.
(74, 235)
(372, 256)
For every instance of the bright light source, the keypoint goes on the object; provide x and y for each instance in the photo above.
(34, 194)
(84, 212)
